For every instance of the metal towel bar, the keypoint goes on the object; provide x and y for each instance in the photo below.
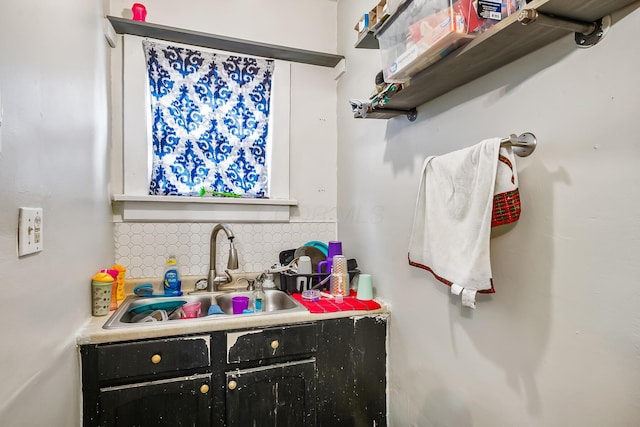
(523, 145)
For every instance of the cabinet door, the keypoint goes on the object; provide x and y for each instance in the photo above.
(281, 395)
(175, 402)
(352, 361)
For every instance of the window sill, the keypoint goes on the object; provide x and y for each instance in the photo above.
(195, 209)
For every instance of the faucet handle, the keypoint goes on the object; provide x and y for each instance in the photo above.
(201, 285)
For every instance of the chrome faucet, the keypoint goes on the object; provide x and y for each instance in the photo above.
(213, 280)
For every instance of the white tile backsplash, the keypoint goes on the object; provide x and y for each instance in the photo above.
(144, 247)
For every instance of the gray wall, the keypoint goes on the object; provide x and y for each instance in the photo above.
(557, 344)
(54, 156)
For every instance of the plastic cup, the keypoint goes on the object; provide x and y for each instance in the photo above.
(100, 297)
(365, 289)
(114, 274)
(191, 310)
(339, 283)
(334, 248)
(239, 304)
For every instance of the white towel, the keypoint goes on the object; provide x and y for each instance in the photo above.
(452, 219)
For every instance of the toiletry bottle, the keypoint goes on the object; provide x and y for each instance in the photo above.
(122, 271)
(171, 276)
(258, 297)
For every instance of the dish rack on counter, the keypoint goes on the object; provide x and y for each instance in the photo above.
(289, 281)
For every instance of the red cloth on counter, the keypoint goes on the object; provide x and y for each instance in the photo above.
(329, 305)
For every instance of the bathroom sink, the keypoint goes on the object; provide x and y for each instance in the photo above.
(275, 301)
(136, 311)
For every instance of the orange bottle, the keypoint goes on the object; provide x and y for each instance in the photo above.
(122, 271)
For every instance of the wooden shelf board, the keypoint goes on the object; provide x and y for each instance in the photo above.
(473, 61)
(196, 38)
(386, 113)
(367, 41)
(505, 42)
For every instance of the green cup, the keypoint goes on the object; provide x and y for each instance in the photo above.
(365, 288)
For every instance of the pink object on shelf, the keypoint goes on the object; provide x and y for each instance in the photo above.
(139, 12)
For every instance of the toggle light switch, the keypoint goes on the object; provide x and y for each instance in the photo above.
(30, 237)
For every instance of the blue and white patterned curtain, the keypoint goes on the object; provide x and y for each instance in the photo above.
(210, 121)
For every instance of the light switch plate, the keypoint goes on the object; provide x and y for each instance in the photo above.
(30, 236)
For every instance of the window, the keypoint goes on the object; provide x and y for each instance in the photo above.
(210, 121)
(135, 204)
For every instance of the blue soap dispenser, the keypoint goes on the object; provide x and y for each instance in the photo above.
(172, 282)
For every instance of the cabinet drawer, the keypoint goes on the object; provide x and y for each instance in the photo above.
(183, 401)
(258, 344)
(152, 357)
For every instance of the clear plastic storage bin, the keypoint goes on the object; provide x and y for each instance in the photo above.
(424, 31)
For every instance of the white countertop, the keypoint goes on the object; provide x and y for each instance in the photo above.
(94, 333)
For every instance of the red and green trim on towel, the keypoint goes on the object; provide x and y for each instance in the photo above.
(445, 281)
(328, 305)
(507, 162)
(506, 206)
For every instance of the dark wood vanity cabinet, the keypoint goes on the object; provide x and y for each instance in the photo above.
(159, 382)
(327, 373)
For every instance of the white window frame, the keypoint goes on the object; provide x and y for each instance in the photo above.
(135, 204)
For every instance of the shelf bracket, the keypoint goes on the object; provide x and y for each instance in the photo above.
(587, 34)
(412, 115)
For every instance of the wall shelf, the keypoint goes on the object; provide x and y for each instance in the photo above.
(247, 47)
(367, 40)
(505, 42)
